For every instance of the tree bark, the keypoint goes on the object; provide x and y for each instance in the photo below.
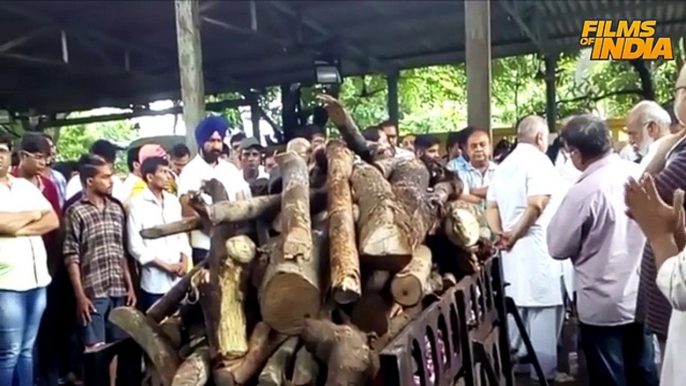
(410, 181)
(151, 338)
(386, 166)
(409, 285)
(383, 227)
(345, 262)
(291, 288)
(244, 210)
(170, 301)
(397, 324)
(274, 372)
(296, 239)
(375, 309)
(185, 225)
(344, 349)
(461, 224)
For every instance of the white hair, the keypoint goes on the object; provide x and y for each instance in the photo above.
(530, 126)
(650, 111)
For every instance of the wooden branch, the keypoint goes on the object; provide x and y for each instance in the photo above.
(305, 369)
(409, 285)
(194, 370)
(263, 342)
(345, 124)
(345, 262)
(274, 372)
(170, 301)
(172, 327)
(150, 338)
(410, 181)
(397, 324)
(232, 333)
(291, 288)
(185, 225)
(344, 349)
(244, 210)
(383, 227)
(296, 239)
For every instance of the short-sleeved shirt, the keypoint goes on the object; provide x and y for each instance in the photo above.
(197, 171)
(94, 239)
(473, 178)
(23, 260)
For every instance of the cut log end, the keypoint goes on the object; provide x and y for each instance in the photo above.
(409, 285)
(289, 317)
(348, 291)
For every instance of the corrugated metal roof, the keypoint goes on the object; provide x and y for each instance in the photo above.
(369, 36)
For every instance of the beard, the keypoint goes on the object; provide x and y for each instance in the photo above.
(211, 156)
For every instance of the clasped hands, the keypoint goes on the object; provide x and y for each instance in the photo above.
(654, 216)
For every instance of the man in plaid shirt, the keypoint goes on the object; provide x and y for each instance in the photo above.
(94, 255)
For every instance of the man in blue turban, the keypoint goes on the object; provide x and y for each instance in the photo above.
(207, 165)
(209, 136)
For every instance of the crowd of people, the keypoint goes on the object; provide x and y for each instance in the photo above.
(580, 226)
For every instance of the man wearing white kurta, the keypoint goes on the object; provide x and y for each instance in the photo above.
(516, 202)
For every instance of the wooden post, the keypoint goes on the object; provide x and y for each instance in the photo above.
(393, 110)
(550, 105)
(255, 116)
(190, 66)
(477, 15)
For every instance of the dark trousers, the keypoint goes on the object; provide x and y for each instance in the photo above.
(199, 255)
(55, 332)
(619, 355)
(146, 300)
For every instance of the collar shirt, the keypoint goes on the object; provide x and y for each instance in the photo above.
(23, 260)
(566, 168)
(473, 178)
(94, 239)
(146, 211)
(197, 171)
(604, 244)
(535, 279)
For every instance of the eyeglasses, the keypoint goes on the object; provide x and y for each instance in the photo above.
(36, 156)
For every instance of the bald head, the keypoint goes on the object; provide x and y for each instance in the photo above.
(530, 127)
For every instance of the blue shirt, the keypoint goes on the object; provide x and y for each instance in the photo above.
(473, 178)
(456, 164)
(60, 183)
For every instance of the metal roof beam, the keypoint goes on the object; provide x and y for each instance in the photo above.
(519, 15)
(369, 60)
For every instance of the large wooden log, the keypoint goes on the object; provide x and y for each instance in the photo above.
(194, 370)
(461, 224)
(344, 349)
(410, 285)
(296, 239)
(345, 124)
(291, 288)
(384, 229)
(275, 371)
(170, 301)
(345, 262)
(151, 338)
(305, 369)
(410, 181)
(185, 225)
(263, 342)
(375, 309)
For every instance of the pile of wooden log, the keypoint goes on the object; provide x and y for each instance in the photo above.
(306, 286)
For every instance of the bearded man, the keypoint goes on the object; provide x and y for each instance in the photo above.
(647, 125)
(206, 166)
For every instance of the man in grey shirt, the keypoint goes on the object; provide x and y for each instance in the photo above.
(592, 229)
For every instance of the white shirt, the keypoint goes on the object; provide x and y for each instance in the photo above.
(652, 151)
(146, 211)
(566, 168)
(671, 280)
(628, 152)
(197, 171)
(534, 277)
(403, 153)
(74, 186)
(23, 260)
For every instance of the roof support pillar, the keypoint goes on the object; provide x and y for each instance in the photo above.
(393, 107)
(190, 66)
(550, 92)
(478, 60)
(255, 116)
